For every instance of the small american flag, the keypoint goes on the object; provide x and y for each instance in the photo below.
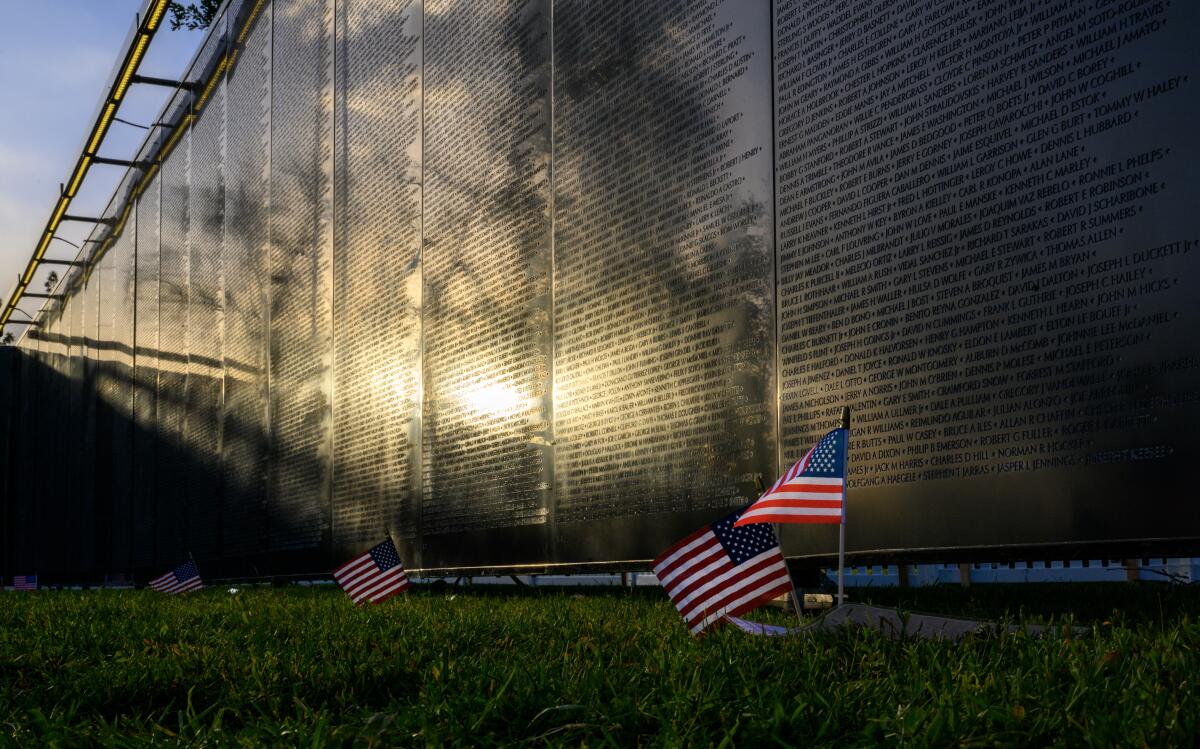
(25, 582)
(813, 491)
(374, 576)
(183, 578)
(721, 571)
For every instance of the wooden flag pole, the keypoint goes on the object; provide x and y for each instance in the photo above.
(841, 596)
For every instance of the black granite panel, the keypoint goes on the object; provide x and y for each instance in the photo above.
(202, 429)
(172, 476)
(102, 387)
(377, 292)
(986, 220)
(246, 190)
(143, 311)
(301, 195)
(664, 326)
(486, 258)
(118, 388)
(78, 504)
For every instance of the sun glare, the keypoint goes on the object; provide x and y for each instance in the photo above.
(491, 398)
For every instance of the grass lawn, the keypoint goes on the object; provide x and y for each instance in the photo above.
(302, 667)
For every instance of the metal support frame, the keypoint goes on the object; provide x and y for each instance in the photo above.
(150, 80)
(147, 24)
(31, 295)
(122, 162)
(73, 263)
(89, 220)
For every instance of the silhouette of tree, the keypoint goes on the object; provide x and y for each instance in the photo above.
(198, 15)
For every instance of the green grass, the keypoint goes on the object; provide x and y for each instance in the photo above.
(301, 667)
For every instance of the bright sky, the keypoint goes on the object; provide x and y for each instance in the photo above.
(55, 58)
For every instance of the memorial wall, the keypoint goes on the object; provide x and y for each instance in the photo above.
(554, 282)
(986, 225)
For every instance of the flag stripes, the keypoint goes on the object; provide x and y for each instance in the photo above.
(721, 571)
(374, 576)
(182, 579)
(811, 491)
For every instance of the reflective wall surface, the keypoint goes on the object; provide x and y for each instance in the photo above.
(541, 282)
(664, 287)
(377, 283)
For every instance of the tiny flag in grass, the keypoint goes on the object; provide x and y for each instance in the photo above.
(374, 576)
(721, 570)
(812, 491)
(183, 578)
(25, 582)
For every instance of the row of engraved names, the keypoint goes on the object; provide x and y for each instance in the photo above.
(985, 360)
(1068, 404)
(983, 119)
(1023, 262)
(1023, 95)
(951, 184)
(980, 289)
(1015, 464)
(985, 52)
(1056, 189)
(880, 313)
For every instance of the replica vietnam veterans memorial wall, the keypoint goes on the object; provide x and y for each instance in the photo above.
(546, 281)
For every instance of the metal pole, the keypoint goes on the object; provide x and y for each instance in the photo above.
(167, 82)
(841, 596)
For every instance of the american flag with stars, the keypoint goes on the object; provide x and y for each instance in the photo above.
(722, 570)
(184, 578)
(374, 576)
(25, 582)
(812, 491)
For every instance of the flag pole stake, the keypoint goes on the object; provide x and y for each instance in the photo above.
(841, 596)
